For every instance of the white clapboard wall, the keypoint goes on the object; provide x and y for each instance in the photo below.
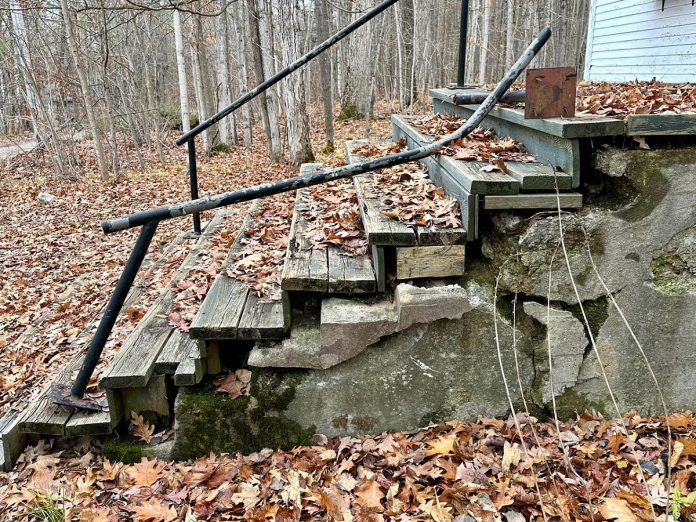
(636, 39)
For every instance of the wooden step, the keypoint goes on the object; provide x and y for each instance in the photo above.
(413, 249)
(327, 269)
(231, 310)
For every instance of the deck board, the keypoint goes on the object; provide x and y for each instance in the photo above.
(535, 176)
(192, 368)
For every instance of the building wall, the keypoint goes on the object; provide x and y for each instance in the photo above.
(636, 39)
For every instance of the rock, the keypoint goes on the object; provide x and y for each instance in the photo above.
(301, 350)
(623, 235)
(45, 197)
(162, 451)
(350, 326)
(423, 305)
(568, 344)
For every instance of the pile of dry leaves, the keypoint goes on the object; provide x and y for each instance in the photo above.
(332, 214)
(259, 260)
(406, 193)
(480, 145)
(621, 99)
(587, 469)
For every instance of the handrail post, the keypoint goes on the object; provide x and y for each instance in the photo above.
(193, 176)
(113, 308)
(463, 34)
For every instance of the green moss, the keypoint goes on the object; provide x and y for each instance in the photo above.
(350, 112)
(209, 421)
(572, 403)
(123, 450)
(672, 274)
(329, 149)
(597, 312)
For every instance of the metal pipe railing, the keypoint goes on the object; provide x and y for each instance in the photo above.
(150, 218)
(463, 35)
(190, 136)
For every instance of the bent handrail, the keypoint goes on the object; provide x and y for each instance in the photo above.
(286, 72)
(307, 180)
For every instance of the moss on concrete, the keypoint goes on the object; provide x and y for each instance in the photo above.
(118, 449)
(672, 273)
(209, 421)
(597, 312)
(572, 403)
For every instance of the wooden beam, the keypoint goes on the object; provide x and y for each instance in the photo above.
(569, 200)
(433, 261)
(661, 124)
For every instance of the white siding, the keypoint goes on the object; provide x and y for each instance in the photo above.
(636, 39)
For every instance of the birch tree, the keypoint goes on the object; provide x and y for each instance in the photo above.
(181, 73)
(223, 72)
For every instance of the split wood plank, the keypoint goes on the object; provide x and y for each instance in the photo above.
(192, 368)
(583, 126)
(569, 200)
(221, 311)
(261, 320)
(349, 274)
(433, 261)
(173, 353)
(661, 124)
(535, 176)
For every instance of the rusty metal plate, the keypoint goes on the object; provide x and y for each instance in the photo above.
(550, 93)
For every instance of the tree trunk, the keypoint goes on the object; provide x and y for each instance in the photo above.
(85, 88)
(181, 70)
(485, 40)
(322, 31)
(223, 72)
(297, 119)
(240, 27)
(265, 22)
(196, 51)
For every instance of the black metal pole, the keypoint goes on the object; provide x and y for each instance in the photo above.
(317, 178)
(475, 99)
(463, 33)
(287, 71)
(112, 310)
(193, 175)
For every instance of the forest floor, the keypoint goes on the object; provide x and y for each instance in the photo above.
(58, 269)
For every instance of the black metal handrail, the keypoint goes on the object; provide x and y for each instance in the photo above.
(189, 137)
(149, 219)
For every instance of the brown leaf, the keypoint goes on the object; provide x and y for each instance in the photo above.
(140, 428)
(369, 496)
(153, 511)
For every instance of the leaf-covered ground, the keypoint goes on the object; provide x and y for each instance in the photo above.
(588, 469)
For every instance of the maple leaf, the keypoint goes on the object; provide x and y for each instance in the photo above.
(369, 496)
(146, 472)
(441, 446)
(153, 510)
(140, 428)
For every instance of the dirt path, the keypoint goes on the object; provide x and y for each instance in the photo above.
(7, 151)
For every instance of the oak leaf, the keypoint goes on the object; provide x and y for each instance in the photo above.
(140, 428)
(369, 496)
(153, 511)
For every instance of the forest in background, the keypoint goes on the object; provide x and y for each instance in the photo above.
(117, 70)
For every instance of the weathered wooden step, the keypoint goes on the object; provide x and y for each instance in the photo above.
(414, 248)
(554, 140)
(232, 311)
(328, 269)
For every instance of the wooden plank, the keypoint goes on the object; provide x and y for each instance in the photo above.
(306, 268)
(261, 320)
(221, 311)
(43, 416)
(152, 399)
(173, 352)
(441, 236)
(467, 173)
(559, 152)
(432, 261)
(135, 362)
(569, 200)
(350, 274)
(578, 127)
(96, 423)
(12, 439)
(534, 176)
(661, 124)
(192, 368)
(212, 357)
(380, 229)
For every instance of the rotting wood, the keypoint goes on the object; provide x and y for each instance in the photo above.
(379, 266)
(221, 311)
(12, 439)
(212, 357)
(261, 320)
(173, 352)
(432, 261)
(152, 398)
(349, 274)
(568, 200)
